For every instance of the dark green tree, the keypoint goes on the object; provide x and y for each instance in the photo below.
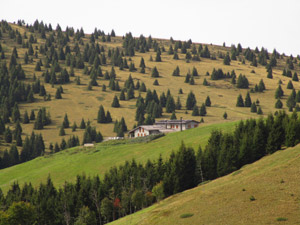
(240, 101)
(115, 103)
(207, 101)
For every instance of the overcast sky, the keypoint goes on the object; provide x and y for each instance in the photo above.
(271, 24)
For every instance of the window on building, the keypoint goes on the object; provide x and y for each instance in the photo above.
(140, 129)
(196, 125)
(176, 126)
(189, 126)
(138, 134)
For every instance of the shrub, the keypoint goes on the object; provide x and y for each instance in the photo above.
(186, 215)
(252, 198)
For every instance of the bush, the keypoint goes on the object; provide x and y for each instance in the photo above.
(186, 215)
(281, 219)
(252, 198)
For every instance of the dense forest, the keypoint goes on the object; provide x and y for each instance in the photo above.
(133, 186)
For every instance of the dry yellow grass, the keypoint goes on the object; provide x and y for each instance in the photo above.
(79, 103)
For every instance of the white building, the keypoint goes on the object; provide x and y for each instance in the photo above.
(163, 126)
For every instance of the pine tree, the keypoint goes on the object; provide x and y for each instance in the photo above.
(195, 111)
(290, 85)
(122, 95)
(202, 110)
(259, 111)
(158, 57)
(176, 72)
(115, 103)
(253, 107)
(58, 94)
(154, 72)
(156, 82)
(170, 105)
(240, 101)
(66, 123)
(207, 101)
(194, 72)
(295, 77)
(279, 92)
(278, 104)
(38, 124)
(62, 131)
(8, 135)
(178, 104)
(261, 86)
(32, 115)
(74, 126)
(191, 101)
(248, 101)
(82, 124)
(25, 118)
(15, 113)
(225, 115)
(270, 74)
(226, 60)
(192, 81)
(101, 115)
(205, 83)
(173, 116)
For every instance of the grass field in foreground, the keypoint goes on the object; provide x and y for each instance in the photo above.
(273, 181)
(65, 165)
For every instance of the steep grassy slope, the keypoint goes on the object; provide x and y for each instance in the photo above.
(65, 165)
(273, 181)
(79, 103)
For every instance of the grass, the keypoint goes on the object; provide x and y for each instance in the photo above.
(221, 201)
(80, 103)
(65, 165)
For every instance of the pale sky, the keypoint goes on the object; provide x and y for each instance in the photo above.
(271, 24)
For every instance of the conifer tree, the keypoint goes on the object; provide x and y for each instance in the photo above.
(178, 104)
(170, 105)
(191, 101)
(74, 126)
(38, 124)
(225, 115)
(192, 81)
(101, 115)
(8, 135)
(82, 124)
(62, 131)
(295, 77)
(279, 92)
(176, 72)
(207, 101)
(202, 111)
(158, 57)
(154, 72)
(108, 117)
(66, 123)
(156, 82)
(115, 103)
(278, 104)
(25, 117)
(32, 115)
(173, 116)
(194, 72)
(240, 101)
(248, 101)
(226, 60)
(205, 83)
(15, 113)
(195, 111)
(270, 74)
(58, 94)
(290, 85)
(253, 107)
(259, 111)
(122, 95)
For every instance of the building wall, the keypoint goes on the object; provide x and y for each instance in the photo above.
(176, 126)
(141, 132)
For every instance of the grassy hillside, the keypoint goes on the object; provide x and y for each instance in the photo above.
(65, 165)
(273, 181)
(80, 103)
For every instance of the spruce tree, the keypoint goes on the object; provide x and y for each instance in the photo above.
(122, 95)
(74, 126)
(58, 94)
(278, 104)
(191, 101)
(248, 101)
(259, 111)
(270, 74)
(173, 116)
(205, 83)
(240, 101)
(178, 104)
(194, 72)
(279, 92)
(62, 131)
(207, 101)
(170, 105)
(82, 124)
(154, 72)
(156, 82)
(290, 85)
(38, 124)
(195, 111)
(202, 111)
(66, 123)
(225, 115)
(101, 115)
(295, 77)
(253, 107)
(192, 81)
(115, 103)
(25, 117)
(226, 60)
(8, 135)
(108, 117)
(32, 115)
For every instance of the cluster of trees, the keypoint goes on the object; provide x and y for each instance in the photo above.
(120, 127)
(32, 147)
(132, 186)
(102, 117)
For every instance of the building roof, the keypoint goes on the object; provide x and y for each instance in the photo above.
(148, 127)
(160, 122)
